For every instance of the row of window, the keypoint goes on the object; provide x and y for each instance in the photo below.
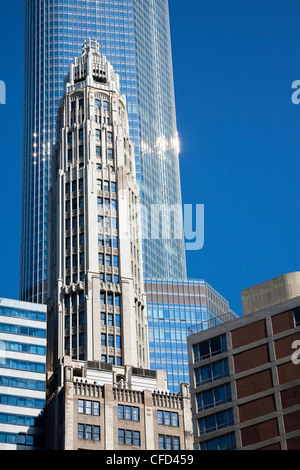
(23, 348)
(27, 402)
(22, 330)
(213, 397)
(210, 348)
(211, 372)
(227, 442)
(107, 204)
(22, 382)
(111, 341)
(107, 222)
(18, 313)
(108, 260)
(22, 365)
(110, 319)
(107, 186)
(107, 298)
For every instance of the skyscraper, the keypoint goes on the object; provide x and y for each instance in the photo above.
(100, 391)
(173, 308)
(134, 35)
(96, 308)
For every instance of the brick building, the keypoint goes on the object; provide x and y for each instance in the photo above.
(245, 374)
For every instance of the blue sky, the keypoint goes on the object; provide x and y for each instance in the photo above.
(234, 64)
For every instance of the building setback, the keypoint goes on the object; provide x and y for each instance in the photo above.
(98, 353)
(22, 375)
(245, 386)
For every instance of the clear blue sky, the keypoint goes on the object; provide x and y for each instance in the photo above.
(234, 63)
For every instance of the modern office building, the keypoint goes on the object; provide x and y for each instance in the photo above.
(244, 374)
(98, 353)
(173, 307)
(134, 35)
(22, 375)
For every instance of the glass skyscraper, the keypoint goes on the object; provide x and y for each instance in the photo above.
(174, 309)
(134, 35)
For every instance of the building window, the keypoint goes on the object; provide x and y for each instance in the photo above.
(98, 151)
(118, 342)
(113, 187)
(129, 437)
(118, 321)
(168, 442)
(102, 298)
(88, 407)
(88, 432)
(212, 372)
(97, 104)
(214, 397)
(297, 316)
(130, 413)
(167, 418)
(109, 137)
(227, 442)
(210, 348)
(99, 185)
(80, 134)
(111, 341)
(106, 185)
(103, 339)
(215, 422)
(110, 154)
(98, 134)
(105, 106)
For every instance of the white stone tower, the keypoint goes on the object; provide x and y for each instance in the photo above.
(96, 300)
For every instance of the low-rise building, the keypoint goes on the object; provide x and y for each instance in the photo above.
(245, 373)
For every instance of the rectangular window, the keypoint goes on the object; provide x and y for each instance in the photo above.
(99, 185)
(113, 187)
(212, 372)
(109, 137)
(103, 339)
(98, 134)
(98, 151)
(80, 134)
(103, 318)
(214, 397)
(297, 316)
(210, 348)
(166, 418)
(168, 442)
(227, 442)
(118, 342)
(100, 202)
(111, 341)
(105, 106)
(215, 422)
(129, 437)
(110, 154)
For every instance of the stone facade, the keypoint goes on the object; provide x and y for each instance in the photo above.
(97, 416)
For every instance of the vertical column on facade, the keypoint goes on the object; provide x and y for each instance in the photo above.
(187, 417)
(109, 428)
(149, 421)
